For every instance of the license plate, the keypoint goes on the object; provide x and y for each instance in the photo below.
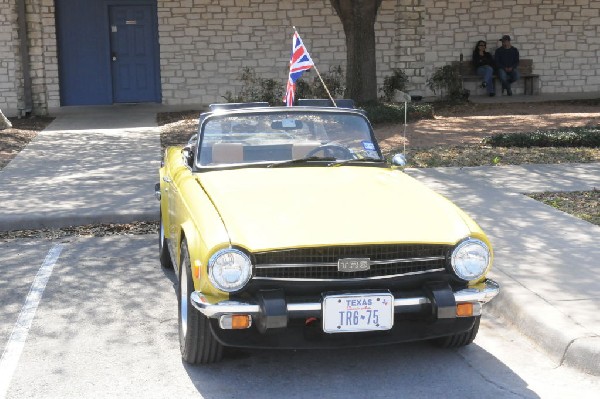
(358, 312)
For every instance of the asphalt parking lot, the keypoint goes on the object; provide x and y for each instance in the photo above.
(106, 326)
(108, 308)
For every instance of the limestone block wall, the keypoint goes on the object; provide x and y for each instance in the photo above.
(409, 52)
(43, 58)
(204, 44)
(8, 61)
(561, 36)
(43, 61)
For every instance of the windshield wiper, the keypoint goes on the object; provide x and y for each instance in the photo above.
(357, 160)
(300, 161)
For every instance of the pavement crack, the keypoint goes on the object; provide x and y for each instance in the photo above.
(564, 355)
(489, 380)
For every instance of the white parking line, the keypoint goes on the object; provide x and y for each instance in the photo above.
(16, 342)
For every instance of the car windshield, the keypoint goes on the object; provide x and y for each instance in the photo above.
(277, 137)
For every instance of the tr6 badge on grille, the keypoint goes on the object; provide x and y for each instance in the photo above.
(354, 264)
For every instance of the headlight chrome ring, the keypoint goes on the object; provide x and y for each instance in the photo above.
(229, 269)
(470, 259)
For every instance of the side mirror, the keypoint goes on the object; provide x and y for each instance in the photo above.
(399, 160)
(188, 156)
(193, 139)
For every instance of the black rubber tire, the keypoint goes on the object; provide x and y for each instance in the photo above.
(163, 249)
(458, 340)
(197, 342)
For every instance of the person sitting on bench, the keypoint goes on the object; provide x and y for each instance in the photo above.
(484, 66)
(507, 60)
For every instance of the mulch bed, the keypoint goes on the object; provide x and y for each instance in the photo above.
(14, 139)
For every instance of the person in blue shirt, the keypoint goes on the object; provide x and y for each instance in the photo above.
(507, 61)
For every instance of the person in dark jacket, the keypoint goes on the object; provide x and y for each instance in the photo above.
(484, 66)
(507, 60)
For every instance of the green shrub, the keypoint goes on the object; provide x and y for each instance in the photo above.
(447, 81)
(566, 137)
(272, 91)
(397, 81)
(257, 89)
(303, 89)
(334, 79)
(394, 113)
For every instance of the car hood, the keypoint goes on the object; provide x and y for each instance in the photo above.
(270, 208)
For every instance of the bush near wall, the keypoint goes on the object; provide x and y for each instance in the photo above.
(567, 137)
(256, 88)
(394, 113)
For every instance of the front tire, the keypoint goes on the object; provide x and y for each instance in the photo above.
(461, 339)
(163, 248)
(196, 340)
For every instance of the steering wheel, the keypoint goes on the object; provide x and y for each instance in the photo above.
(336, 151)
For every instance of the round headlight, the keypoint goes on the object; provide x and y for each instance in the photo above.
(229, 269)
(470, 259)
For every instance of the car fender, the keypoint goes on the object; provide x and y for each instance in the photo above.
(199, 257)
(196, 220)
(477, 233)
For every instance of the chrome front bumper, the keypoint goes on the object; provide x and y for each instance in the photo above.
(477, 295)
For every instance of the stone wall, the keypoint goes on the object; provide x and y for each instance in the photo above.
(8, 54)
(409, 52)
(43, 60)
(205, 43)
(41, 26)
(561, 36)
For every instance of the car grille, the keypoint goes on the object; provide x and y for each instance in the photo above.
(322, 263)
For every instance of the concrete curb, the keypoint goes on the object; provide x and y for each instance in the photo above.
(565, 341)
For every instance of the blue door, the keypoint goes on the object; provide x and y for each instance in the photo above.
(134, 54)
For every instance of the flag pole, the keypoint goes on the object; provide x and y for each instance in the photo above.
(320, 78)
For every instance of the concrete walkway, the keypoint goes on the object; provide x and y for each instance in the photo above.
(90, 165)
(100, 164)
(546, 261)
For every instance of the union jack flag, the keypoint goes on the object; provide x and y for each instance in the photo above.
(300, 61)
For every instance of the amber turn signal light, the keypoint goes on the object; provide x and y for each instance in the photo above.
(196, 269)
(240, 321)
(235, 321)
(464, 309)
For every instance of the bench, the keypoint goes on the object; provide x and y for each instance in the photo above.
(530, 79)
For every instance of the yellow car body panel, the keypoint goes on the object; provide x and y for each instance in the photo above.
(266, 209)
(262, 209)
(190, 214)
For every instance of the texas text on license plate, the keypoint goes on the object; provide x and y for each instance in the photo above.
(358, 312)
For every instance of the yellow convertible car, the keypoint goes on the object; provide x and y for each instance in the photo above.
(288, 229)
